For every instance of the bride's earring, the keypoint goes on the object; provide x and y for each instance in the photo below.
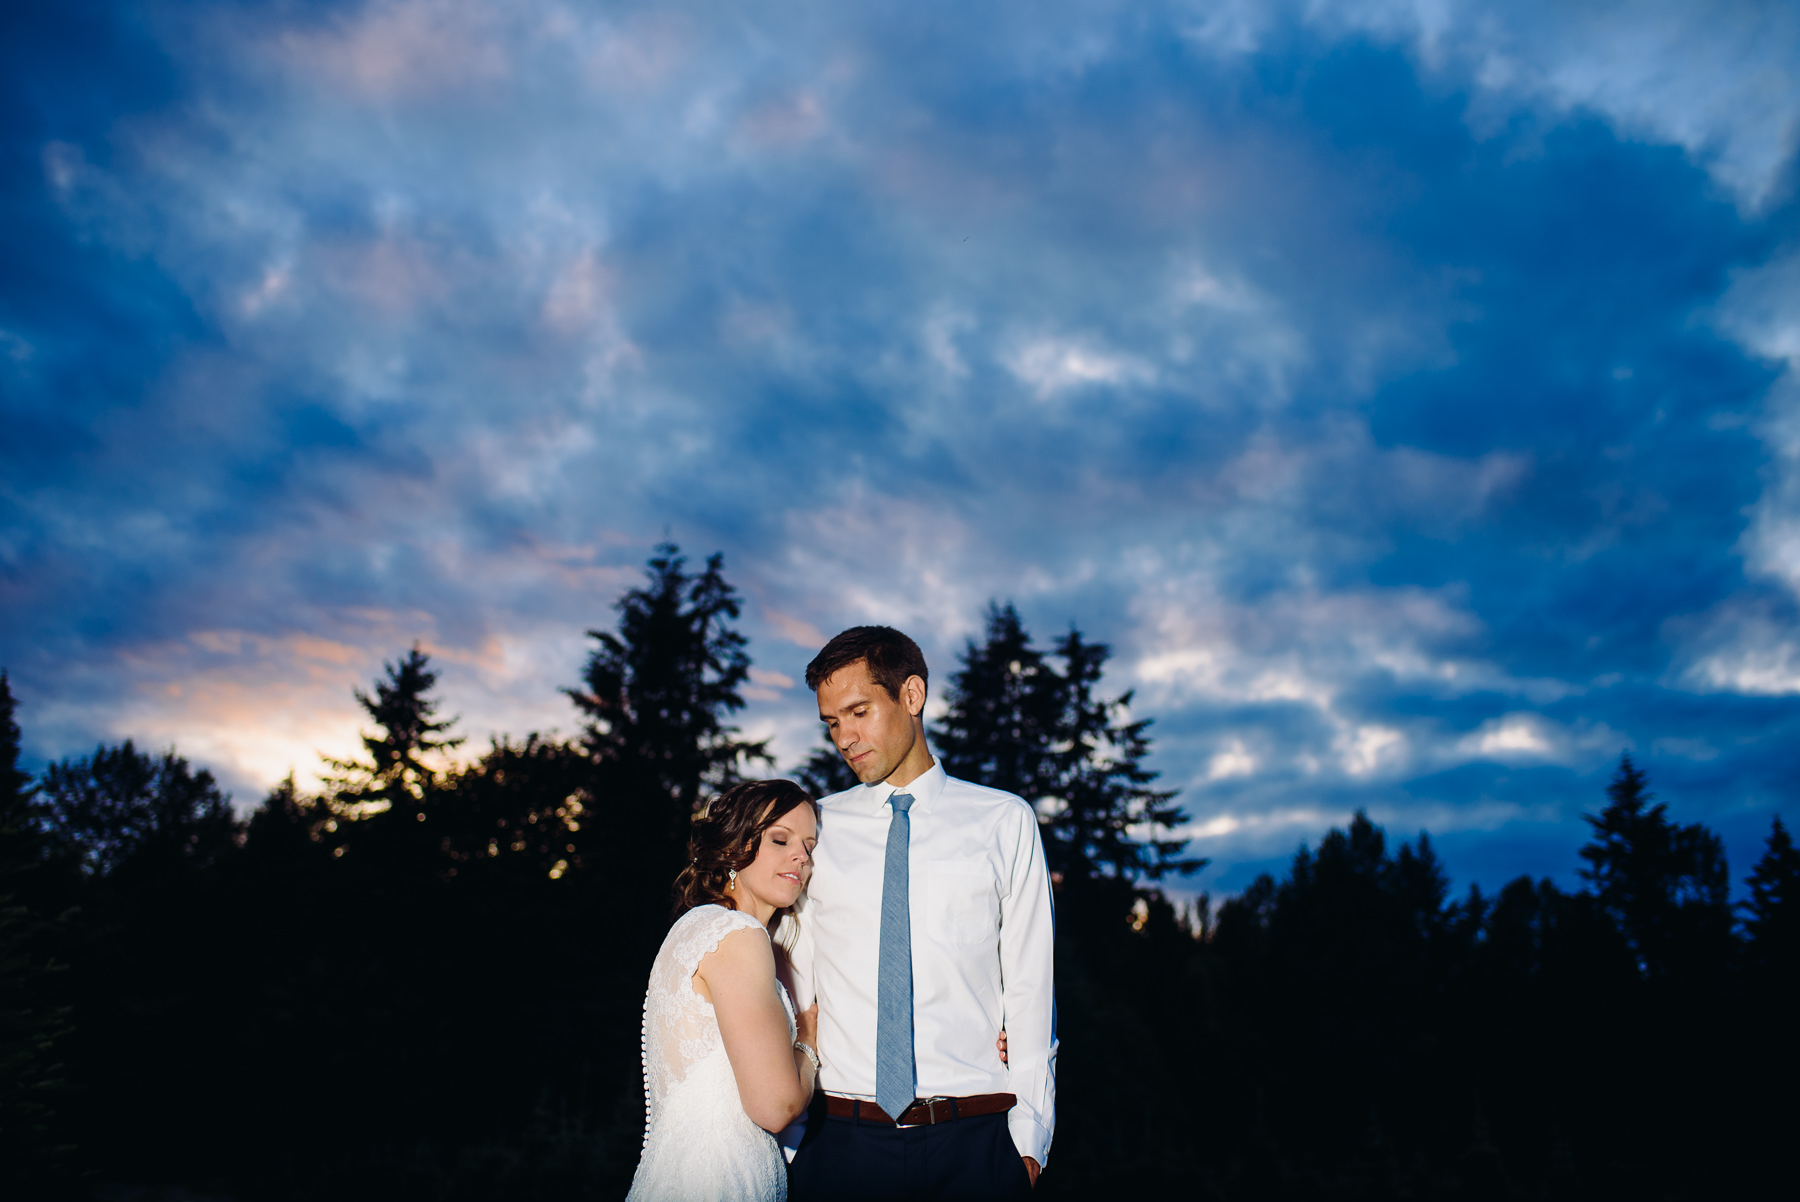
(731, 879)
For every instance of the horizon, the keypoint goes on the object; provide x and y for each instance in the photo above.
(1409, 395)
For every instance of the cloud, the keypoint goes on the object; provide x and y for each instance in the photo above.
(1050, 365)
(1749, 647)
(1405, 392)
(1716, 81)
(410, 49)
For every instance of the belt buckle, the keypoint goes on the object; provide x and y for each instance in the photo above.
(931, 1118)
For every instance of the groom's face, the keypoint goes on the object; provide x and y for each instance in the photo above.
(873, 730)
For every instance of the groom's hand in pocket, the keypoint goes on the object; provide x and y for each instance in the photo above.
(1032, 1169)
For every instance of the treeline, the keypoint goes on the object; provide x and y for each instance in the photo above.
(424, 979)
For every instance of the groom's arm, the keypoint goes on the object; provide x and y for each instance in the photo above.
(796, 972)
(1027, 967)
(799, 965)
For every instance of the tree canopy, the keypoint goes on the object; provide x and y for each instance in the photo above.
(425, 978)
(1029, 721)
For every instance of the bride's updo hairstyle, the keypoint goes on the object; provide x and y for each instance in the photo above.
(726, 835)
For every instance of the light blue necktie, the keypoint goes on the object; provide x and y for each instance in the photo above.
(894, 988)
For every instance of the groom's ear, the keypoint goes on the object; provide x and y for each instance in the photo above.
(912, 695)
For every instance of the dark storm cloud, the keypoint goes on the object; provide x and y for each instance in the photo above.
(1405, 392)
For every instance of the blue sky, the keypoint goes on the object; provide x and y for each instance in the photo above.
(1407, 392)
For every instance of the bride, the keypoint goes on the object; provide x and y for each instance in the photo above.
(726, 1061)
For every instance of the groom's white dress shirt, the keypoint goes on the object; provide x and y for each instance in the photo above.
(981, 944)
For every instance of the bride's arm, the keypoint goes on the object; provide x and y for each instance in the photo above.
(774, 1079)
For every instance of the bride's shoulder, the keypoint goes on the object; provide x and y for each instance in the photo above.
(704, 930)
(713, 918)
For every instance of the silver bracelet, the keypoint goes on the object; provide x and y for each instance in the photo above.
(810, 1054)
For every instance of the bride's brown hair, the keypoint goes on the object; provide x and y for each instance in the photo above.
(726, 836)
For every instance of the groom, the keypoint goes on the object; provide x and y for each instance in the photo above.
(926, 931)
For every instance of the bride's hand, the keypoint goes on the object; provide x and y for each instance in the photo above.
(806, 1026)
(1001, 1044)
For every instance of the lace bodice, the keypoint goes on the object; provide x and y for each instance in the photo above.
(698, 1142)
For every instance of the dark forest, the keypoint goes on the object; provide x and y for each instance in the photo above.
(424, 981)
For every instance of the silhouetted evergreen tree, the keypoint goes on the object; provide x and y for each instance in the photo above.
(36, 1154)
(1106, 818)
(451, 1008)
(388, 808)
(1004, 708)
(407, 730)
(1764, 1115)
(1342, 982)
(1664, 884)
(22, 845)
(655, 700)
(15, 783)
(1016, 721)
(1772, 913)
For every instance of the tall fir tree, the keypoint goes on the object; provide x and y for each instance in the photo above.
(34, 1148)
(15, 783)
(1004, 715)
(1015, 720)
(397, 774)
(21, 837)
(1664, 885)
(1772, 912)
(655, 700)
(1110, 818)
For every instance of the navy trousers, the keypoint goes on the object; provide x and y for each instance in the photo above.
(847, 1160)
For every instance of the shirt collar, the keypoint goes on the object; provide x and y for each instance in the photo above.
(925, 790)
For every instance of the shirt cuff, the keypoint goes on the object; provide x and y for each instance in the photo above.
(1029, 1138)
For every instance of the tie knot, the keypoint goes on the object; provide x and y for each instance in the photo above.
(902, 802)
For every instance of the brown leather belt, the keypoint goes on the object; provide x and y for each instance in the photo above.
(925, 1112)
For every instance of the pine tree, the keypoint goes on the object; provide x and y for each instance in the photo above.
(1109, 819)
(1005, 710)
(1016, 721)
(1772, 911)
(15, 784)
(1664, 885)
(36, 1156)
(655, 701)
(21, 839)
(396, 774)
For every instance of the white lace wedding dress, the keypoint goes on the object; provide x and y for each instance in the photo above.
(699, 1145)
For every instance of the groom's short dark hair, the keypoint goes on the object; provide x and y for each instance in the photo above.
(892, 657)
